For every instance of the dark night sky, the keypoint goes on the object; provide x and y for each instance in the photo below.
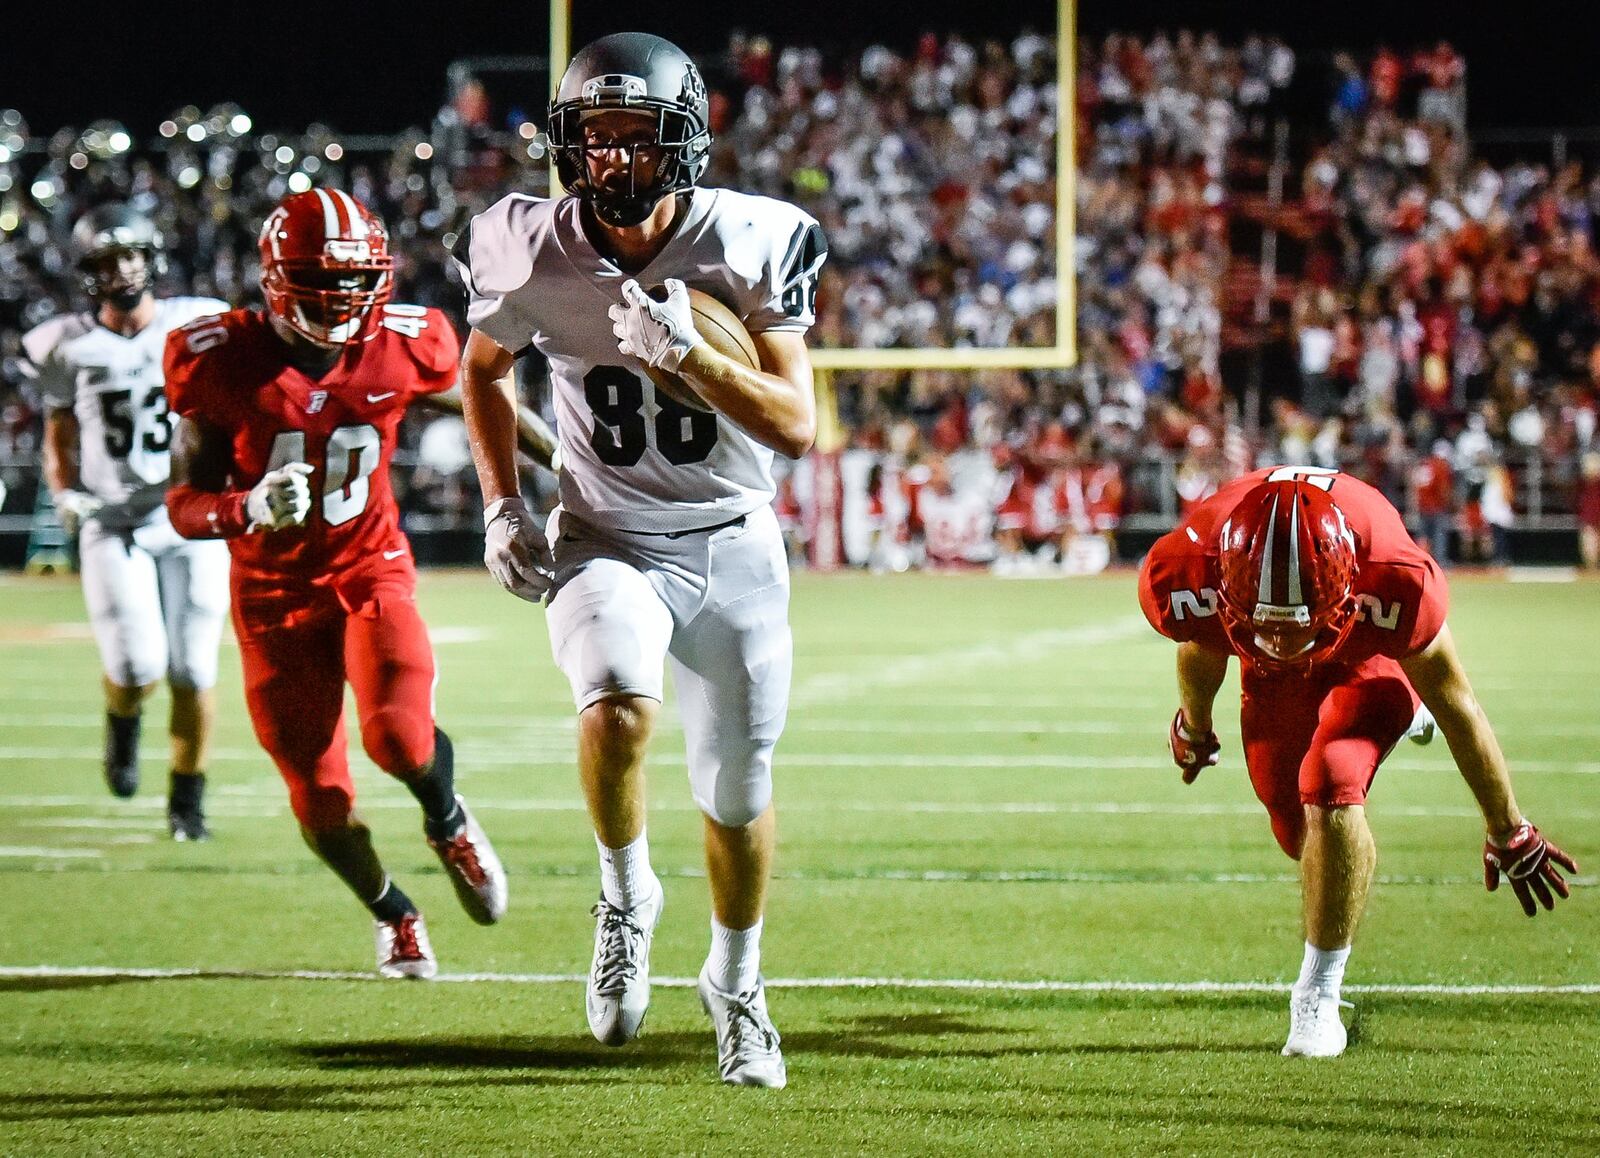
(292, 64)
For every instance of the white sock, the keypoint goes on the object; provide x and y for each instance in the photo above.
(735, 960)
(1323, 970)
(625, 874)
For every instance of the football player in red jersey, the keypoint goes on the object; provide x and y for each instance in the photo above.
(1338, 619)
(289, 420)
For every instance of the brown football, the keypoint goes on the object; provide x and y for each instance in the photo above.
(719, 326)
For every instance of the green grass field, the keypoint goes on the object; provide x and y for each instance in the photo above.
(974, 795)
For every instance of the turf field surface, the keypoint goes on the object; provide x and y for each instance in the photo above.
(1000, 922)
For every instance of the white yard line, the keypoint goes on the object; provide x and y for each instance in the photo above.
(922, 666)
(112, 973)
(21, 852)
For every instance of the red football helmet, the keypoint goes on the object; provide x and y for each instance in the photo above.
(1288, 569)
(325, 266)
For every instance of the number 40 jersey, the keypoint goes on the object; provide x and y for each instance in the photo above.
(636, 460)
(113, 386)
(232, 373)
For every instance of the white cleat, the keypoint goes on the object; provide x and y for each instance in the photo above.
(1314, 1026)
(404, 949)
(1422, 727)
(473, 868)
(747, 1041)
(618, 993)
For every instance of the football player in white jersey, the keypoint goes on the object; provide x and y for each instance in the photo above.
(665, 547)
(156, 601)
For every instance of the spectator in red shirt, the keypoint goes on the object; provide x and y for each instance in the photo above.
(1589, 511)
(1435, 483)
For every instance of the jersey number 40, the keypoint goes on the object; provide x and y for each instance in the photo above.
(350, 457)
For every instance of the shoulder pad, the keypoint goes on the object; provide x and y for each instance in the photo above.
(495, 251)
(427, 336)
(38, 342)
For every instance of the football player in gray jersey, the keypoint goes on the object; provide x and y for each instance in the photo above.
(664, 549)
(156, 601)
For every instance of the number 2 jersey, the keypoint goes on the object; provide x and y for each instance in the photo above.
(231, 373)
(1400, 590)
(112, 384)
(635, 460)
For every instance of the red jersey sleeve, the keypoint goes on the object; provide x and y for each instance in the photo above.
(198, 514)
(1178, 595)
(431, 343)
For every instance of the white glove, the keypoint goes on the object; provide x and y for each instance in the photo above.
(657, 333)
(73, 507)
(515, 551)
(281, 499)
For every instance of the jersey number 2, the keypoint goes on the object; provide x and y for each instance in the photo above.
(351, 457)
(683, 435)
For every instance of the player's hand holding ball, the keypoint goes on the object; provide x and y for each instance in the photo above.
(73, 508)
(1529, 862)
(1192, 750)
(281, 499)
(515, 550)
(657, 333)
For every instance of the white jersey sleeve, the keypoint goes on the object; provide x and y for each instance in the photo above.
(42, 345)
(496, 263)
(635, 460)
(777, 251)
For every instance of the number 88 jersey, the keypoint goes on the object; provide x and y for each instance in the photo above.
(633, 459)
(113, 385)
(231, 373)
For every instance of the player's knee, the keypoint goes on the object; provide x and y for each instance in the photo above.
(734, 787)
(320, 807)
(396, 739)
(617, 725)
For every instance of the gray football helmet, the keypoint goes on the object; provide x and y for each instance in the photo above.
(106, 231)
(635, 71)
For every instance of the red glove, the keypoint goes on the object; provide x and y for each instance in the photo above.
(1191, 750)
(1529, 863)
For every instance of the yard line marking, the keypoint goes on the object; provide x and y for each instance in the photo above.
(918, 667)
(266, 800)
(1043, 985)
(47, 853)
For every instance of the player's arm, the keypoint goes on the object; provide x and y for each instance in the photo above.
(73, 504)
(515, 551)
(534, 436)
(201, 503)
(1200, 675)
(775, 405)
(1191, 737)
(1513, 846)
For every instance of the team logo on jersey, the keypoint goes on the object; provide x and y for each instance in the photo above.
(1186, 603)
(318, 399)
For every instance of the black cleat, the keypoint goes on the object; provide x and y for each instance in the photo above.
(122, 755)
(186, 818)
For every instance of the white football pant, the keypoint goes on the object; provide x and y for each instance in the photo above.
(156, 602)
(717, 605)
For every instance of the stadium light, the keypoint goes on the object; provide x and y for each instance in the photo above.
(299, 182)
(195, 132)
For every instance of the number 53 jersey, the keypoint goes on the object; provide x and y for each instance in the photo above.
(636, 460)
(231, 373)
(112, 385)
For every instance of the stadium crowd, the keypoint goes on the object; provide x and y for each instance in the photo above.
(1445, 317)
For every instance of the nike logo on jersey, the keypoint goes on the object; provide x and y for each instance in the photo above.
(381, 397)
(394, 554)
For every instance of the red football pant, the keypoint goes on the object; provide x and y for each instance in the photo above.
(1319, 739)
(294, 681)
